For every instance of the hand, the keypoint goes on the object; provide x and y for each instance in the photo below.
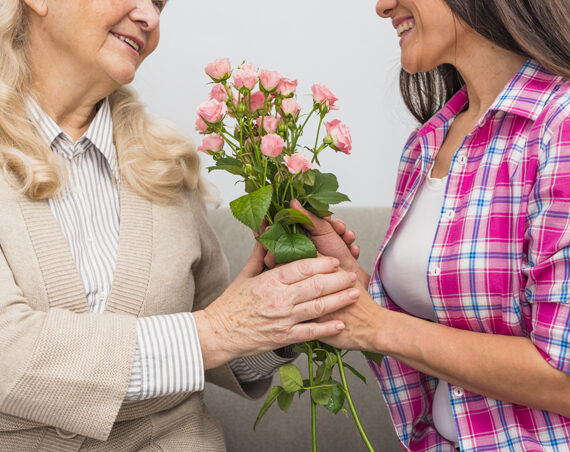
(332, 238)
(263, 311)
(364, 321)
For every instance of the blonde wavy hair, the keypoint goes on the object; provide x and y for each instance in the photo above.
(155, 159)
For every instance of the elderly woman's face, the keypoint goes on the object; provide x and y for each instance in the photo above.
(108, 37)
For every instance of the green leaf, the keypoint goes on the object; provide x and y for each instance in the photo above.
(284, 400)
(292, 247)
(270, 237)
(324, 374)
(329, 197)
(271, 398)
(309, 178)
(301, 348)
(251, 209)
(229, 164)
(291, 378)
(321, 396)
(318, 208)
(292, 216)
(324, 182)
(375, 357)
(336, 401)
(330, 360)
(354, 371)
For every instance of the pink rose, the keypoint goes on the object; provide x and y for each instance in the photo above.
(248, 67)
(269, 79)
(272, 145)
(212, 111)
(245, 78)
(287, 86)
(212, 143)
(297, 163)
(321, 94)
(290, 107)
(219, 93)
(219, 69)
(257, 101)
(270, 123)
(201, 126)
(340, 136)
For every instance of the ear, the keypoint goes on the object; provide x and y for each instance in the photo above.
(40, 7)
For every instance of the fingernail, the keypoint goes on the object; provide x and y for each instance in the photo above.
(353, 293)
(340, 326)
(335, 262)
(353, 276)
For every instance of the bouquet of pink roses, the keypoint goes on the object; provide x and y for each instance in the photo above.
(252, 126)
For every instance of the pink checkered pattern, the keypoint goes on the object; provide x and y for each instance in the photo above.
(500, 261)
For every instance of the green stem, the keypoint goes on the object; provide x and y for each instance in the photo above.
(317, 139)
(313, 404)
(351, 404)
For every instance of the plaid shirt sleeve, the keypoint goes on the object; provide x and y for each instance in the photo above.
(548, 238)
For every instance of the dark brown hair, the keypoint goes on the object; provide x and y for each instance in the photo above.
(538, 29)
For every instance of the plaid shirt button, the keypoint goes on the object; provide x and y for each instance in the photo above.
(458, 392)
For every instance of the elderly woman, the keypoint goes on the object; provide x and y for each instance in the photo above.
(111, 280)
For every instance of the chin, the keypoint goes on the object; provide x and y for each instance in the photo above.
(123, 77)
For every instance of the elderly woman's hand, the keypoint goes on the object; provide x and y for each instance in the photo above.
(263, 311)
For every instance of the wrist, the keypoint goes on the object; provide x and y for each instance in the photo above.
(213, 340)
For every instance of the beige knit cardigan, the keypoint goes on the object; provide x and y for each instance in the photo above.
(64, 371)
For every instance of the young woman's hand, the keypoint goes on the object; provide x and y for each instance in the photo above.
(264, 311)
(332, 238)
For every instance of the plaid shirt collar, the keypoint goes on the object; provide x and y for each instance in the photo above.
(526, 95)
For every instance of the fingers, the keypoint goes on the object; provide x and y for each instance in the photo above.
(301, 270)
(318, 223)
(325, 305)
(338, 226)
(319, 286)
(269, 260)
(355, 251)
(314, 330)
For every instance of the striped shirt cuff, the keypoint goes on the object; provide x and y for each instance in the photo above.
(168, 358)
(257, 367)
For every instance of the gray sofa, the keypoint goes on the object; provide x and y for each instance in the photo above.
(290, 431)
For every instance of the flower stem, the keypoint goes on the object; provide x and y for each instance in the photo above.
(351, 404)
(313, 404)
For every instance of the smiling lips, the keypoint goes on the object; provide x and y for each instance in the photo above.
(403, 24)
(135, 44)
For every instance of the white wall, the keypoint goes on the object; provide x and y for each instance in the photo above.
(341, 43)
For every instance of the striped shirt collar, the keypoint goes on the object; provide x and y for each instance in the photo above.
(526, 95)
(99, 134)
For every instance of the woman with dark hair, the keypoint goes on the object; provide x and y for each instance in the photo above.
(469, 297)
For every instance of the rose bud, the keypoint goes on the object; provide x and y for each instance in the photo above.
(272, 145)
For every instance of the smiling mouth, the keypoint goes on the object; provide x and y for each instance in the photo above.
(128, 41)
(405, 26)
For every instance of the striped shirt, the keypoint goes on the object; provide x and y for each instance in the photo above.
(500, 260)
(168, 356)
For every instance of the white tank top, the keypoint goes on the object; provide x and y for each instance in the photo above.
(403, 271)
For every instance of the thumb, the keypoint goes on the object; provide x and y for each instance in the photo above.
(254, 265)
(321, 226)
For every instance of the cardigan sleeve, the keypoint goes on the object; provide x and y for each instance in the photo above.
(61, 368)
(212, 277)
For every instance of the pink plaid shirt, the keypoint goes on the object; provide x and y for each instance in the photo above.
(500, 261)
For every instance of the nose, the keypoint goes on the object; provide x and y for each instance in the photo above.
(145, 14)
(384, 8)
